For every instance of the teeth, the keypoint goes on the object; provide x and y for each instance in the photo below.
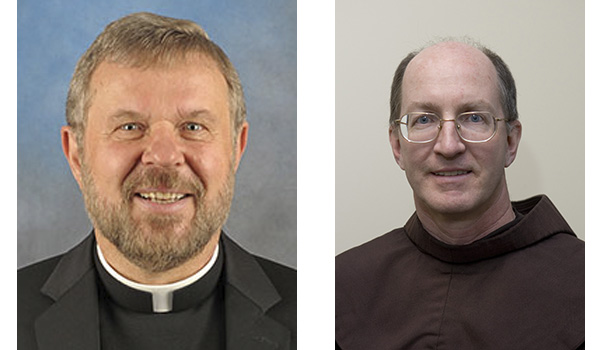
(452, 173)
(161, 197)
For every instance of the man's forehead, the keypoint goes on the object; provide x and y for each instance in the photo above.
(451, 65)
(109, 71)
(189, 86)
(450, 55)
(166, 62)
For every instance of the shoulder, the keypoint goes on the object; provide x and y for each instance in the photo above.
(563, 254)
(282, 277)
(560, 259)
(545, 284)
(30, 280)
(566, 244)
(284, 280)
(361, 272)
(373, 255)
(363, 276)
(31, 302)
(261, 279)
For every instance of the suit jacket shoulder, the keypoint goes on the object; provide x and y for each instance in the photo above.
(266, 287)
(30, 301)
(285, 281)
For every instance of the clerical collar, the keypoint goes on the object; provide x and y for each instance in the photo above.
(161, 295)
(531, 225)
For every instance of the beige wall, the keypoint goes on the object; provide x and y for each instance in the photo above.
(543, 44)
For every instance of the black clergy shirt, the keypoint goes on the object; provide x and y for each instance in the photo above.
(127, 320)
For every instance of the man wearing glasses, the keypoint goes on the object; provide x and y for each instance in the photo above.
(470, 269)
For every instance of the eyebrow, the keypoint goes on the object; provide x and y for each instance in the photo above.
(478, 105)
(195, 114)
(423, 106)
(125, 113)
(130, 114)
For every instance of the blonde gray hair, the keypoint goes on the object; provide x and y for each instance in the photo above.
(144, 40)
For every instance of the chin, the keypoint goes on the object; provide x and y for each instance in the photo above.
(171, 230)
(450, 204)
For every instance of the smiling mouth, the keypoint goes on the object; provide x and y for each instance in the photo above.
(451, 173)
(162, 197)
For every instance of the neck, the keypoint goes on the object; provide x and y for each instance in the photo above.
(136, 274)
(460, 229)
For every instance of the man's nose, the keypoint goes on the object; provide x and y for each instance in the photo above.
(163, 147)
(448, 143)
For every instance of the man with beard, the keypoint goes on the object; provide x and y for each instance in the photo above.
(156, 131)
(470, 269)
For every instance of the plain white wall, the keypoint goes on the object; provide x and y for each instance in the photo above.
(543, 44)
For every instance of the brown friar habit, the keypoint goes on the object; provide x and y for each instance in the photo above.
(521, 287)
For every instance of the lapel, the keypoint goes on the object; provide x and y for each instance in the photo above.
(72, 321)
(249, 294)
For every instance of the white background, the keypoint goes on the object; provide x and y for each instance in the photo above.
(316, 167)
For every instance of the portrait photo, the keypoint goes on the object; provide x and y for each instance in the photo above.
(460, 175)
(156, 167)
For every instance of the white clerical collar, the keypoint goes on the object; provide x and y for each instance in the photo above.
(162, 295)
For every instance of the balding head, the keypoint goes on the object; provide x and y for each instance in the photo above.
(448, 56)
(450, 74)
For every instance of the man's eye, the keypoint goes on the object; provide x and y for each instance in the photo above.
(130, 127)
(193, 127)
(423, 119)
(475, 118)
(129, 131)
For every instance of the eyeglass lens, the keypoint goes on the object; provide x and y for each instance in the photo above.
(424, 127)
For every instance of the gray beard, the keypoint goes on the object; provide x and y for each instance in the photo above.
(150, 242)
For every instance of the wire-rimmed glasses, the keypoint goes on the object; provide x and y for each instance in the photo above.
(423, 127)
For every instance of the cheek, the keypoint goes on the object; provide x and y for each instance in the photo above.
(211, 165)
(413, 163)
(413, 159)
(109, 166)
(491, 161)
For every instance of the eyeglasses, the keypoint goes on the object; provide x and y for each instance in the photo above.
(422, 127)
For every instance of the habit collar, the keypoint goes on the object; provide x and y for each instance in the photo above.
(538, 219)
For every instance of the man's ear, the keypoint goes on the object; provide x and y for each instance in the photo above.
(71, 151)
(513, 138)
(240, 144)
(395, 143)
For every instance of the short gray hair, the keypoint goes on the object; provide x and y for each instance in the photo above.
(142, 40)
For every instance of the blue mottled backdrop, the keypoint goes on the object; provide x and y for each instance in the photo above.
(260, 39)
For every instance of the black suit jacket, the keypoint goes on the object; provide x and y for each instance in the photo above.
(58, 301)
